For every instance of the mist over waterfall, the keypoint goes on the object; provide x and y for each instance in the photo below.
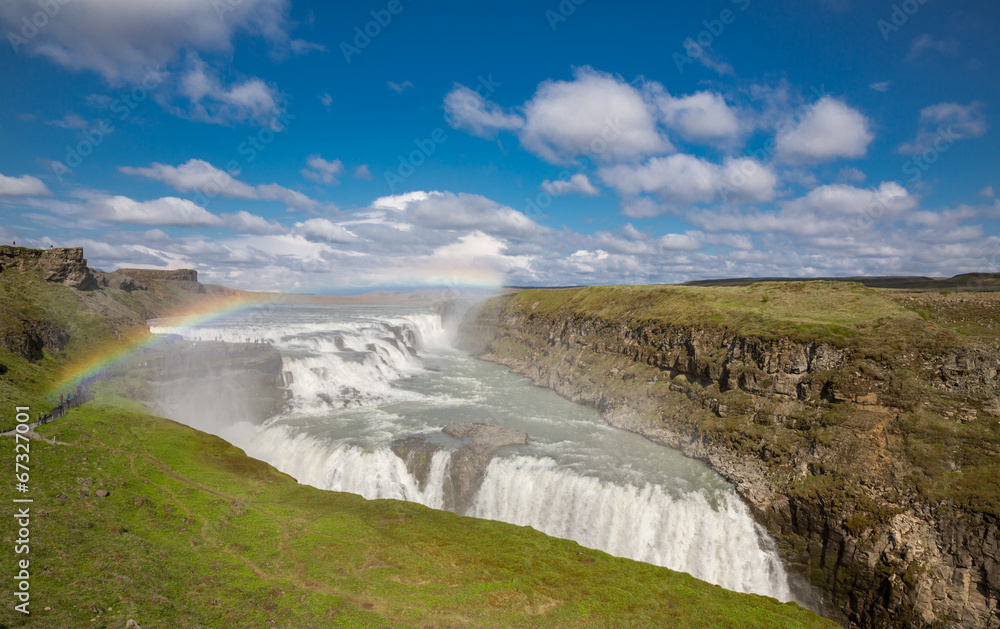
(358, 379)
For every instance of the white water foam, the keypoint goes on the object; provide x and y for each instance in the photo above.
(378, 473)
(720, 544)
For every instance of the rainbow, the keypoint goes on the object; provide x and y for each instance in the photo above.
(116, 354)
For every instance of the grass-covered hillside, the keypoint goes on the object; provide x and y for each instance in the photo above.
(841, 313)
(43, 328)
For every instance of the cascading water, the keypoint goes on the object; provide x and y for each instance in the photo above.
(361, 378)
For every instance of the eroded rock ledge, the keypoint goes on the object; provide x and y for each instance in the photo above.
(65, 266)
(813, 436)
(467, 464)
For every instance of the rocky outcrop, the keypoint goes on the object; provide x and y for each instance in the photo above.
(29, 337)
(816, 438)
(65, 266)
(417, 454)
(130, 280)
(148, 275)
(466, 465)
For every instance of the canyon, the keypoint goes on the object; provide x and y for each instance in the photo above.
(865, 444)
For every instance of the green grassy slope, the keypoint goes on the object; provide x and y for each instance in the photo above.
(27, 297)
(196, 534)
(840, 313)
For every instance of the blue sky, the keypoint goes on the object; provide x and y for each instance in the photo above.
(342, 147)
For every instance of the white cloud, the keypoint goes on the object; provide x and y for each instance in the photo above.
(880, 86)
(577, 184)
(209, 100)
(595, 114)
(122, 39)
(196, 175)
(645, 207)
(987, 192)
(686, 179)
(451, 238)
(162, 46)
(363, 172)
(946, 123)
(399, 202)
(826, 210)
(830, 129)
(163, 211)
(851, 174)
(70, 121)
(707, 57)
(465, 109)
(322, 171)
(679, 242)
(451, 211)
(291, 198)
(326, 99)
(888, 200)
(247, 223)
(739, 242)
(323, 230)
(700, 117)
(925, 42)
(25, 185)
(399, 87)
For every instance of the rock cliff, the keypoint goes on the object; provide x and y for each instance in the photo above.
(868, 461)
(65, 266)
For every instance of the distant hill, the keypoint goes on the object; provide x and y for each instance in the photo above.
(965, 281)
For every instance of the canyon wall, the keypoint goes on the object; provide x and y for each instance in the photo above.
(835, 448)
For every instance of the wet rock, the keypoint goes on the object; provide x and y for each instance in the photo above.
(466, 465)
(469, 462)
(417, 453)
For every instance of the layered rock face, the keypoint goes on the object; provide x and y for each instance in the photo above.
(814, 437)
(65, 266)
(177, 275)
(28, 337)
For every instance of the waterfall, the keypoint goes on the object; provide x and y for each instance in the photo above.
(718, 543)
(359, 378)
